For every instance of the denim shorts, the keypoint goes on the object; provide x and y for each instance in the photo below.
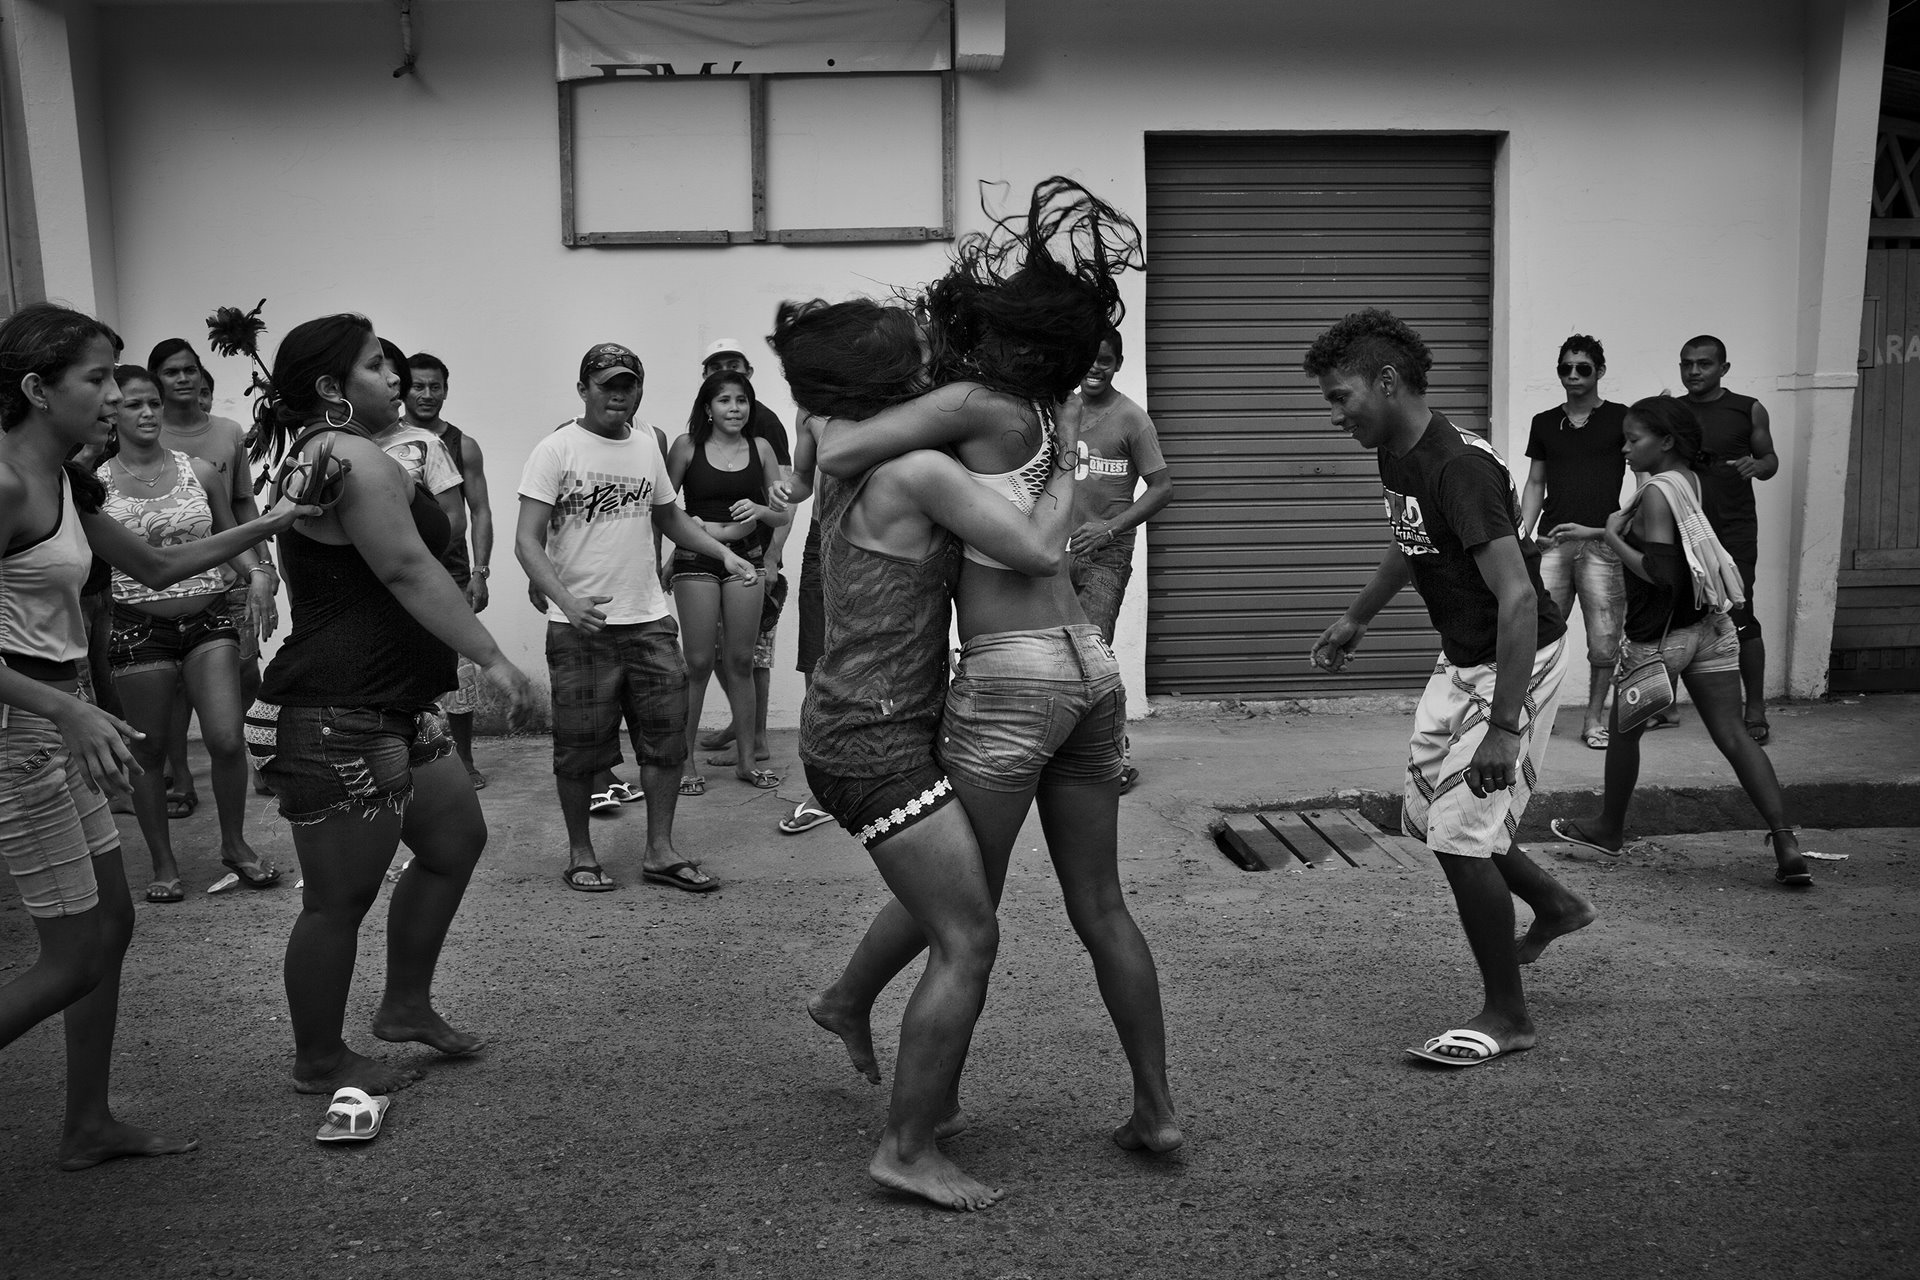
(242, 624)
(1029, 708)
(52, 824)
(1100, 578)
(1702, 648)
(691, 564)
(633, 672)
(770, 607)
(143, 642)
(1590, 570)
(874, 810)
(320, 761)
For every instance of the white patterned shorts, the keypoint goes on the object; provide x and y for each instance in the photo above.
(1438, 806)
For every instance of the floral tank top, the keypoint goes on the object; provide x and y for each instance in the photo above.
(167, 519)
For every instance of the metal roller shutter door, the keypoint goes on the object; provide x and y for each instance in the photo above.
(1254, 245)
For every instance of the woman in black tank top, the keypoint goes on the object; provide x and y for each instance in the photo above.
(59, 753)
(346, 731)
(723, 470)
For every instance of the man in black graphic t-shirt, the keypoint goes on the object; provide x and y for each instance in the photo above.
(1481, 729)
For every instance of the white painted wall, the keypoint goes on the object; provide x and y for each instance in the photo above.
(1650, 188)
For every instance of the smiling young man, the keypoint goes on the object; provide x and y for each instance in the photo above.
(1480, 732)
(1739, 435)
(590, 496)
(1575, 479)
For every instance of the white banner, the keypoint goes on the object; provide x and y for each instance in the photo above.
(605, 38)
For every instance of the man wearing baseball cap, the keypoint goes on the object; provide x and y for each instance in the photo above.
(723, 355)
(585, 539)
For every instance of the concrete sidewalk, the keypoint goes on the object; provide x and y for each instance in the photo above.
(1723, 1085)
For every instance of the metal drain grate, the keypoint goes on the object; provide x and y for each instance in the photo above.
(1324, 839)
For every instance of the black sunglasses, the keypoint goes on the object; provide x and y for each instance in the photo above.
(1583, 370)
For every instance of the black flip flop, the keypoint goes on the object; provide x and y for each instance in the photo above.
(593, 869)
(672, 875)
(264, 877)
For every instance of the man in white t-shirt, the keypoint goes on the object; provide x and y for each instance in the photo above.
(590, 496)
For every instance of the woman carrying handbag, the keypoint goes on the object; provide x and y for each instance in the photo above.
(1680, 586)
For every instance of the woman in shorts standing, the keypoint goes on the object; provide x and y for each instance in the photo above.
(346, 732)
(722, 470)
(1677, 607)
(61, 753)
(179, 635)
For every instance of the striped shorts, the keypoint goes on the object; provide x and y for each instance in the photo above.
(1438, 807)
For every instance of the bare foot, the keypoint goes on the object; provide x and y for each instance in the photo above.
(715, 739)
(369, 1075)
(728, 759)
(932, 1177)
(1545, 929)
(955, 1123)
(854, 1031)
(427, 1028)
(114, 1141)
(1143, 1133)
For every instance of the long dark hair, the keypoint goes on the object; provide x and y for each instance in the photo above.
(48, 339)
(1026, 303)
(326, 347)
(1669, 416)
(848, 359)
(700, 420)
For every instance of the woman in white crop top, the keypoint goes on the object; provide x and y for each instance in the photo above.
(180, 633)
(1036, 710)
(57, 751)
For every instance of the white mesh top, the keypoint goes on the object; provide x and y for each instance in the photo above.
(1022, 486)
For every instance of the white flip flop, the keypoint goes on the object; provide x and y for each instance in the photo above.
(1482, 1047)
(354, 1116)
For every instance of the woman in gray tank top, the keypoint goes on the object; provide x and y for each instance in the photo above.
(1036, 711)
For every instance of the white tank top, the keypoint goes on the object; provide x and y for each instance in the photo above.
(40, 590)
(1022, 486)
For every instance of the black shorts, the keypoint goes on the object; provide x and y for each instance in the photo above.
(144, 642)
(874, 810)
(691, 564)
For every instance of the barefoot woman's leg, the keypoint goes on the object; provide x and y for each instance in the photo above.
(212, 674)
(698, 601)
(740, 627)
(446, 831)
(148, 698)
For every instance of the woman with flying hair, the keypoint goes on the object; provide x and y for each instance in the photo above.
(1036, 710)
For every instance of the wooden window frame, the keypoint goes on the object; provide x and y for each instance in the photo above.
(760, 232)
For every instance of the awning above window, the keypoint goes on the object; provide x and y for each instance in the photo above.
(604, 38)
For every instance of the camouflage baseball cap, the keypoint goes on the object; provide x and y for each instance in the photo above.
(608, 361)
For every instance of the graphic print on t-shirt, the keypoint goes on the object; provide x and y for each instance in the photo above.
(595, 496)
(1409, 523)
(1099, 466)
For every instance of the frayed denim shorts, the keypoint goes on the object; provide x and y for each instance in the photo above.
(320, 761)
(1030, 708)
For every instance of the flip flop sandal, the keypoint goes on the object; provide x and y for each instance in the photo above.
(601, 882)
(681, 875)
(761, 779)
(181, 804)
(693, 785)
(354, 1116)
(805, 817)
(626, 792)
(1800, 879)
(1765, 734)
(166, 891)
(1479, 1047)
(603, 802)
(1569, 831)
(1598, 739)
(477, 778)
(255, 874)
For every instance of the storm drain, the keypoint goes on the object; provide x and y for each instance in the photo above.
(1323, 839)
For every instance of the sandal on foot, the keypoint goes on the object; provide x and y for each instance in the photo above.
(1760, 731)
(805, 817)
(625, 792)
(693, 785)
(1791, 879)
(1569, 831)
(603, 802)
(761, 779)
(166, 891)
(354, 1116)
(1128, 776)
(595, 881)
(181, 804)
(477, 778)
(1477, 1047)
(681, 875)
(255, 875)
(1597, 738)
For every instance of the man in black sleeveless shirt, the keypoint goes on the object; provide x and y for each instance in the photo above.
(1482, 726)
(1740, 437)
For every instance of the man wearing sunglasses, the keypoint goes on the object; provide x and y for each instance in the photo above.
(1575, 477)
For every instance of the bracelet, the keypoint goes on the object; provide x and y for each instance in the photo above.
(1110, 533)
(263, 568)
(1515, 730)
(483, 571)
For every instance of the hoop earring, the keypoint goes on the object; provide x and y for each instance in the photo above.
(339, 426)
